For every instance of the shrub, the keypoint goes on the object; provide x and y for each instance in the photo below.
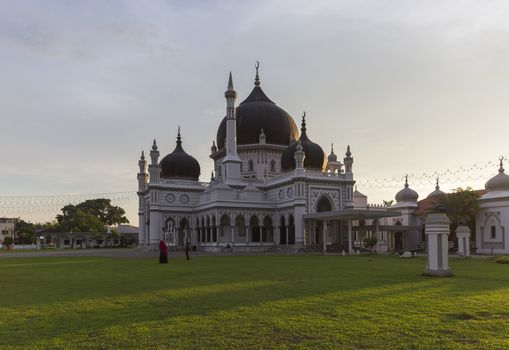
(502, 260)
(8, 241)
(370, 242)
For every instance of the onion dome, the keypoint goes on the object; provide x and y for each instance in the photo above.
(315, 157)
(179, 164)
(500, 181)
(332, 158)
(436, 192)
(258, 112)
(406, 194)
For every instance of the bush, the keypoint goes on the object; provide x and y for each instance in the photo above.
(502, 260)
(370, 242)
(8, 241)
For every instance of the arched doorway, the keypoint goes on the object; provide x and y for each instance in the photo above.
(224, 229)
(169, 231)
(282, 231)
(255, 228)
(183, 232)
(240, 226)
(398, 238)
(291, 230)
(213, 229)
(208, 231)
(267, 231)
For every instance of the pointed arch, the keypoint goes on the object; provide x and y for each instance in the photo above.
(240, 225)
(324, 204)
(169, 230)
(291, 230)
(254, 228)
(267, 229)
(282, 230)
(183, 232)
(224, 227)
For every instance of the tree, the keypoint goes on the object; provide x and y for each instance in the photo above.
(25, 231)
(8, 241)
(90, 216)
(102, 208)
(388, 203)
(461, 206)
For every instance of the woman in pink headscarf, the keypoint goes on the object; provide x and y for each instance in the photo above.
(163, 253)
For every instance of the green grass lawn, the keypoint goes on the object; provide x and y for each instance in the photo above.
(251, 302)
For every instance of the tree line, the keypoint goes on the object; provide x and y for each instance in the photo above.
(93, 215)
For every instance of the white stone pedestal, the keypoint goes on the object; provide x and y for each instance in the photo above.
(437, 231)
(463, 235)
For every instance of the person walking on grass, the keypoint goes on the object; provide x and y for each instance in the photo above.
(163, 253)
(188, 246)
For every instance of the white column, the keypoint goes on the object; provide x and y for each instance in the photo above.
(350, 245)
(437, 231)
(325, 235)
(233, 233)
(463, 235)
(299, 225)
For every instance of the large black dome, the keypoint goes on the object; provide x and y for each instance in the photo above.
(314, 155)
(180, 165)
(258, 112)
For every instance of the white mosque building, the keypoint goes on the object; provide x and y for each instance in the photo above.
(273, 188)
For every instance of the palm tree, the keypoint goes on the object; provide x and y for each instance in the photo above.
(461, 206)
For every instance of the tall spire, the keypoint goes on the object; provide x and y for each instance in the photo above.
(303, 124)
(501, 168)
(437, 187)
(179, 139)
(406, 180)
(230, 82)
(257, 77)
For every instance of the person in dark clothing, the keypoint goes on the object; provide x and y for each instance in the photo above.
(188, 247)
(163, 253)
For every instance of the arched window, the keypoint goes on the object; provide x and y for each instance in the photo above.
(240, 226)
(291, 230)
(323, 205)
(282, 231)
(254, 226)
(267, 230)
(272, 165)
(250, 166)
(225, 225)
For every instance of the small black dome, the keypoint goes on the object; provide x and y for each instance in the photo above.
(180, 165)
(314, 155)
(258, 112)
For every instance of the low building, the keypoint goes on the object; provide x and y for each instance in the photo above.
(7, 226)
(125, 236)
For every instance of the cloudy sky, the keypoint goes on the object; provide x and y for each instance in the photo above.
(418, 87)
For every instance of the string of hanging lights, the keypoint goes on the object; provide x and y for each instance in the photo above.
(17, 206)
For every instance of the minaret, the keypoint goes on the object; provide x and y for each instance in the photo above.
(231, 162)
(153, 168)
(142, 175)
(348, 160)
(299, 157)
